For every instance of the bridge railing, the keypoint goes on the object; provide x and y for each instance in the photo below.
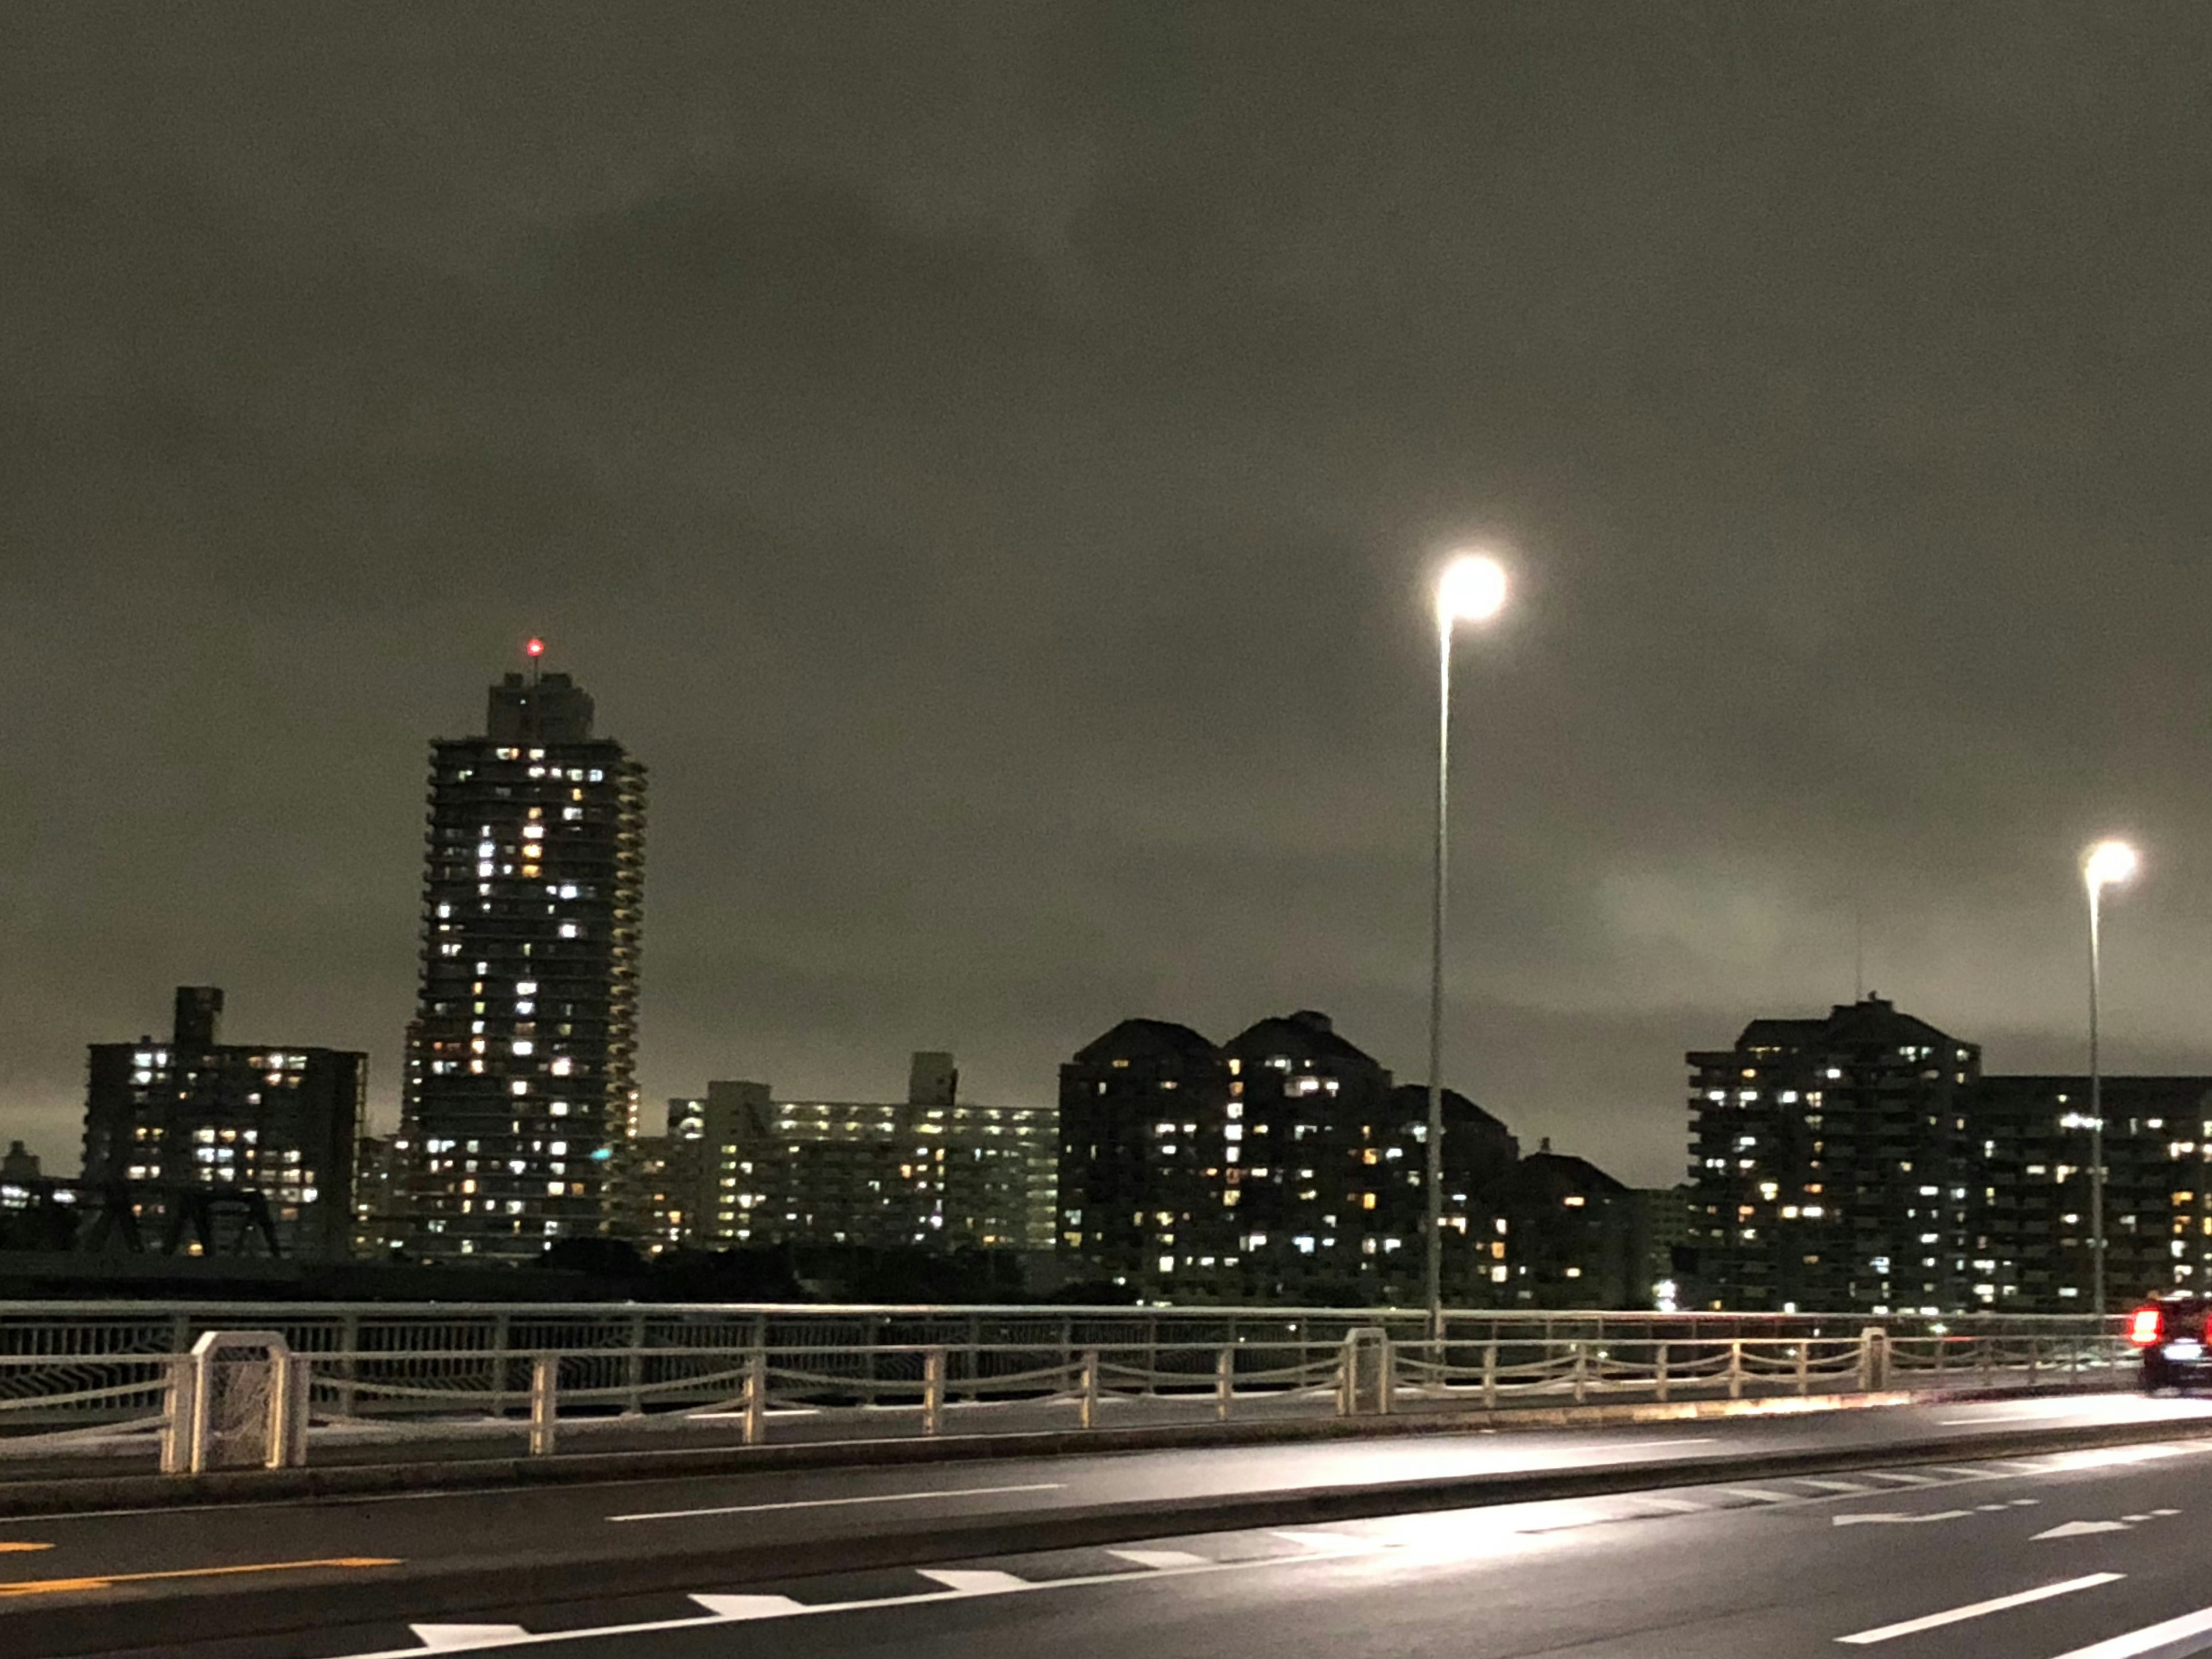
(105, 1378)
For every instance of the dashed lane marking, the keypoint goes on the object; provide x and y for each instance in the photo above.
(1978, 1609)
(21, 1549)
(744, 1607)
(2149, 1639)
(838, 1502)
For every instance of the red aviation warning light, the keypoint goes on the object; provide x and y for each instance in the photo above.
(536, 647)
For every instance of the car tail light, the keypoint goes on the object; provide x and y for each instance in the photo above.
(2143, 1329)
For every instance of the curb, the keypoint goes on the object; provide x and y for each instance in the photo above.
(79, 1494)
(443, 1587)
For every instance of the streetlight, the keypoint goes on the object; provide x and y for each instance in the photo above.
(2103, 865)
(1471, 589)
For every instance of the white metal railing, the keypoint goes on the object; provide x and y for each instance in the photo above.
(447, 1380)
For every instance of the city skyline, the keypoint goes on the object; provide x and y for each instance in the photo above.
(1640, 1164)
(1006, 524)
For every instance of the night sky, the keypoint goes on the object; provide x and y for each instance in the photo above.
(987, 460)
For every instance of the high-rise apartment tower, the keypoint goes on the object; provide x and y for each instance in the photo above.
(521, 1097)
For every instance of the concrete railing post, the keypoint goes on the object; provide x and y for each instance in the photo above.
(1735, 1369)
(932, 1391)
(545, 1402)
(292, 1389)
(1659, 1374)
(755, 1408)
(349, 1337)
(1362, 1373)
(1874, 1359)
(1988, 1360)
(1804, 1364)
(1086, 1394)
(2034, 1358)
(1581, 1371)
(237, 1400)
(634, 1406)
(180, 1411)
(1224, 1383)
(1490, 1376)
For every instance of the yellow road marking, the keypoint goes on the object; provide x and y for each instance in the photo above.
(16, 1549)
(59, 1586)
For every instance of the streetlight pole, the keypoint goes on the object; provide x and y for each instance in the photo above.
(1472, 589)
(2106, 862)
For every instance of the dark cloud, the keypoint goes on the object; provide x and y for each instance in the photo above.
(985, 459)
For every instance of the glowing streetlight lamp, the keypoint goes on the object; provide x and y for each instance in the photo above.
(2103, 865)
(1471, 589)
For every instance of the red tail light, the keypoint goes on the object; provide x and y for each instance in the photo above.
(2143, 1329)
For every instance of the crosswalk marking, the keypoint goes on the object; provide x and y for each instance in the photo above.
(748, 1607)
(973, 1581)
(1337, 1543)
(1160, 1558)
(445, 1638)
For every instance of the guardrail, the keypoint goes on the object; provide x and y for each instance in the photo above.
(120, 1378)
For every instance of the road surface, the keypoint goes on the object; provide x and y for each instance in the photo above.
(2025, 1556)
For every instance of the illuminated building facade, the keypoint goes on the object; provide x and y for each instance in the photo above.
(1283, 1165)
(932, 1171)
(2030, 1218)
(191, 1111)
(520, 1097)
(1832, 1165)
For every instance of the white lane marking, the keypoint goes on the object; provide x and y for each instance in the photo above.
(445, 1638)
(2081, 1529)
(1852, 1487)
(2148, 1640)
(832, 1503)
(973, 1581)
(1678, 1440)
(2028, 1416)
(738, 1608)
(1978, 1610)
(773, 1411)
(2164, 1512)
(1903, 1478)
(1160, 1558)
(1020, 1587)
(1679, 1505)
(1334, 1543)
(1759, 1494)
(1886, 1519)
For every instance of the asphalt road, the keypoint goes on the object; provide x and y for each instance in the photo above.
(1747, 1566)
